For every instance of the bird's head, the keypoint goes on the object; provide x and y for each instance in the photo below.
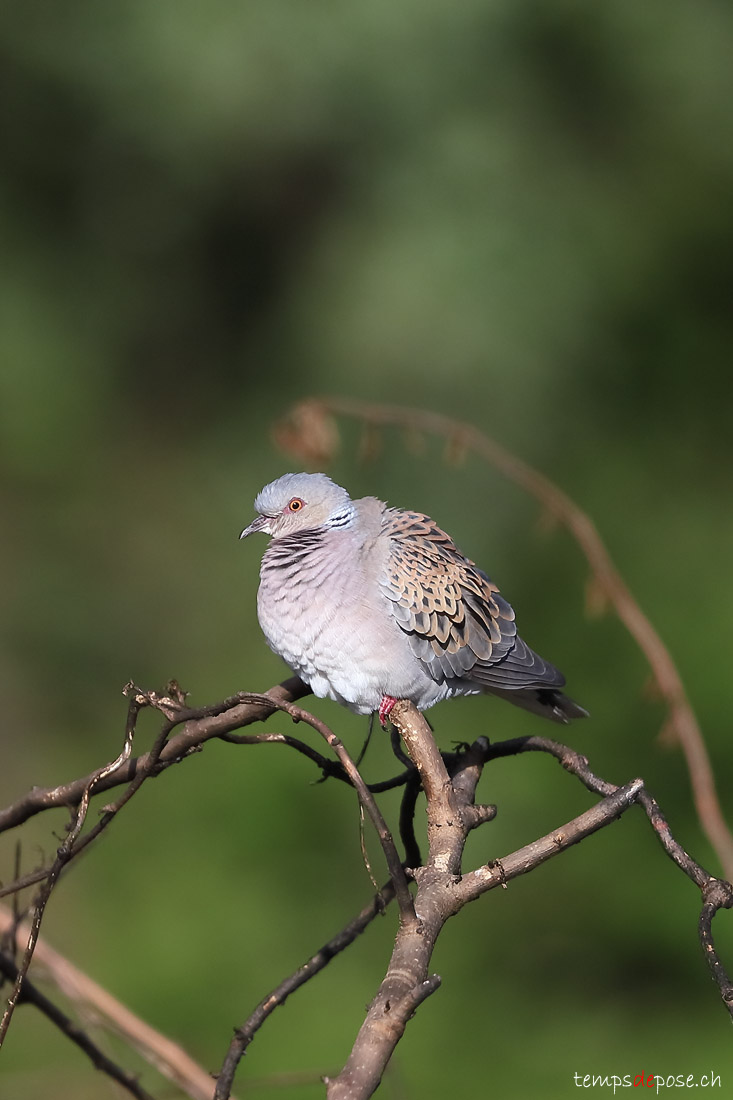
(300, 502)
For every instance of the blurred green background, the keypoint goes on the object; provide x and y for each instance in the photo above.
(515, 213)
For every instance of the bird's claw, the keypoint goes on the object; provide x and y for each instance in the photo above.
(385, 707)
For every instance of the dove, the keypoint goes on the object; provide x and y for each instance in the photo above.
(369, 604)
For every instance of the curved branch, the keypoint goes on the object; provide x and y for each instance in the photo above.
(443, 887)
(72, 1031)
(244, 1035)
(199, 726)
(449, 782)
(312, 419)
(332, 769)
(717, 895)
(165, 1055)
(501, 871)
(397, 871)
(64, 853)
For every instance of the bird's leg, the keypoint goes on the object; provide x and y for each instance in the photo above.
(388, 701)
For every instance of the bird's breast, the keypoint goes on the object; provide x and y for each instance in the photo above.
(304, 605)
(330, 625)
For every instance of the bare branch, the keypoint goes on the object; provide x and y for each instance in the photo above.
(449, 781)
(407, 821)
(717, 895)
(397, 872)
(577, 765)
(407, 981)
(244, 1035)
(443, 887)
(72, 1031)
(199, 726)
(168, 1058)
(63, 855)
(312, 419)
(331, 769)
(501, 871)
(171, 705)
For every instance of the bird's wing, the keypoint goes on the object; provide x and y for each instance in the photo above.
(457, 623)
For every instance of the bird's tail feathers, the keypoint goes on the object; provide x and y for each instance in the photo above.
(547, 702)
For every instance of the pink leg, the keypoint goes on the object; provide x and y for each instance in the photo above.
(384, 709)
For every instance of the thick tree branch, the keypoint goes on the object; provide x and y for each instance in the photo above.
(443, 887)
(407, 981)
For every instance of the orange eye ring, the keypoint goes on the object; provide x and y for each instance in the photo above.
(295, 504)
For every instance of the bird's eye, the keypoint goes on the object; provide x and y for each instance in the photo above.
(295, 504)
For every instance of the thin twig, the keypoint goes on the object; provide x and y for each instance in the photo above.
(63, 855)
(167, 1056)
(364, 850)
(716, 893)
(199, 726)
(312, 419)
(397, 872)
(244, 1035)
(501, 871)
(72, 1031)
(331, 769)
(148, 766)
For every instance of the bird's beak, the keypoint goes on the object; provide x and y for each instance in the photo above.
(261, 523)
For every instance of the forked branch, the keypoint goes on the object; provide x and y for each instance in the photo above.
(443, 886)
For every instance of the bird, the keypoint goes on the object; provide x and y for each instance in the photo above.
(369, 604)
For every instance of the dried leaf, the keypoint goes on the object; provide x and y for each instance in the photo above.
(309, 433)
(597, 603)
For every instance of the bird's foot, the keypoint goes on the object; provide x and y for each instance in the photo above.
(385, 707)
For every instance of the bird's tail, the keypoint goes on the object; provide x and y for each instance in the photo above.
(547, 702)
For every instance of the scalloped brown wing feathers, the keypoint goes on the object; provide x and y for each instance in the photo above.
(457, 623)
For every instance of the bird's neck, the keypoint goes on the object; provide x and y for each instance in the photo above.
(343, 517)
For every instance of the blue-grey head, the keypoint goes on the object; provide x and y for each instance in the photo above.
(300, 502)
